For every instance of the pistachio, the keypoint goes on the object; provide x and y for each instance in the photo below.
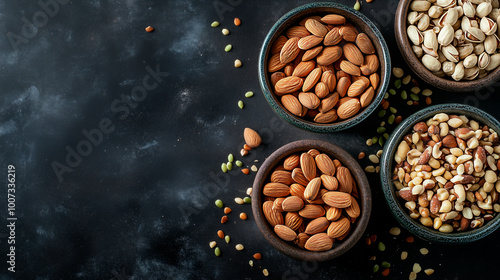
(431, 63)
(430, 40)
(469, 9)
(446, 35)
(446, 4)
(435, 11)
(491, 43)
(470, 61)
(471, 73)
(417, 51)
(460, 11)
(415, 35)
(494, 62)
(459, 71)
(464, 50)
(474, 35)
(466, 24)
(420, 6)
(483, 9)
(448, 67)
(451, 53)
(414, 17)
(424, 22)
(479, 48)
(483, 61)
(488, 26)
(449, 17)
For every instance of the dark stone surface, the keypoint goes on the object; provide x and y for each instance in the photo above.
(141, 203)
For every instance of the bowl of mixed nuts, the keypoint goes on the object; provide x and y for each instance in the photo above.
(324, 67)
(450, 44)
(440, 173)
(311, 200)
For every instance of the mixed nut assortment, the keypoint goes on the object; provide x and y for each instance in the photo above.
(324, 69)
(456, 38)
(446, 171)
(311, 200)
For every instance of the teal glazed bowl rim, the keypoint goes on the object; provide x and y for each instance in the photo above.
(397, 208)
(294, 16)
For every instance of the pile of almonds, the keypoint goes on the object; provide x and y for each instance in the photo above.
(311, 200)
(454, 38)
(324, 69)
(447, 172)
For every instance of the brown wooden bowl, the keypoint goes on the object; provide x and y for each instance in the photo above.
(400, 27)
(364, 192)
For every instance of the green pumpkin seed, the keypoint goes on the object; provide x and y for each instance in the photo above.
(392, 92)
(241, 104)
(414, 97)
(215, 24)
(228, 48)
(224, 167)
(381, 141)
(247, 199)
(230, 158)
(381, 246)
(219, 203)
(229, 166)
(381, 129)
(386, 95)
(397, 83)
(357, 6)
(227, 238)
(217, 251)
(404, 95)
(239, 163)
(386, 136)
(381, 113)
(407, 80)
(374, 139)
(393, 110)
(249, 94)
(382, 124)
(375, 268)
(391, 119)
(427, 92)
(386, 264)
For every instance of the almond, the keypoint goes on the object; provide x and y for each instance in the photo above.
(329, 79)
(285, 232)
(321, 90)
(292, 104)
(325, 164)
(348, 109)
(289, 69)
(297, 31)
(316, 28)
(302, 240)
(290, 50)
(353, 54)
(278, 204)
(367, 97)
(329, 182)
(344, 100)
(252, 138)
(311, 80)
(326, 117)
(319, 242)
(333, 213)
(291, 162)
(333, 19)
(292, 204)
(337, 199)
(288, 85)
(311, 211)
(317, 225)
(350, 68)
(298, 176)
(312, 53)
(353, 211)
(275, 77)
(308, 166)
(309, 42)
(293, 220)
(348, 33)
(273, 217)
(282, 176)
(312, 189)
(328, 102)
(405, 193)
(365, 44)
(357, 88)
(343, 85)
(276, 189)
(313, 152)
(338, 228)
(318, 199)
(278, 45)
(309, 100)
(297, 190)
(303, 22)
(333, 37)
(371, 65)
(329, 55)
(346, 181)
(341, 73)
(374, 80)
(274, 63)
(303, 69)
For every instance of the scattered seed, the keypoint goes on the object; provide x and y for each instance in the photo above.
(398, 119)
(377, 169)
(375, 139)
(381, 113)
(249, 191)
(392, 92)
(228, 48)
(404, 95)
(386, 95)
(395, 231)
(229, 166)
(237, 63)
(370, 169)
(246, 147)
(397, 83)
(220, 233)
(361, 155)
(225, 31)
(412, 276)
(373, 238)
(386, 264)
(247, 199)
(230, 158)
(250, 262)
(239, 247)
(393, 110)
(243, 152)
(212, 244)
(223, 167)
(404, 255)
(239, 200)
(417, 268)
(239, 163)
(409, 103)
(219, 203)
(415, 90)
(215, 24)
(407, 80)
(397, 72)
(245, 171)
(427, 92)
(429, 271)
(379, 153)
(372, 258)
(369, 142)
(254, 168)
(224, 219)
(217, 251)
(241, 104)
(375, 268)
(367, 240)
(243, 216)
(227, 210)
(424, 251)
(428, 100)
(237, 21)
(249, 94)
(414, 97)
(386, 272)
(374, 159)
(227, 238)
(382, 123)
(386, 136)
(381, 246)
(265, 272)
(149, 29)
(415, 103)
(385, 105)
(391, 118)
(257, 256)
(357, 6)
(409, 239)
(381, 129)
(381, 141)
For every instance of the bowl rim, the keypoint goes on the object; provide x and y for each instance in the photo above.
(393, 202)
(400, 26)
(337, 126)
(347, 160)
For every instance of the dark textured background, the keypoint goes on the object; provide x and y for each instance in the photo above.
(119, 214)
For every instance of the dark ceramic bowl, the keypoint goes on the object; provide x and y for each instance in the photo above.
(448, 84)
(387, 162)
(362, 23)
(364, 192)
